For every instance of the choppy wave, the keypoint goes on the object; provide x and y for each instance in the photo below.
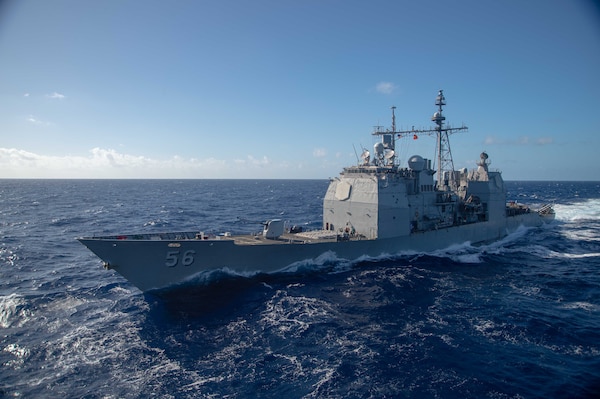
(512, 319)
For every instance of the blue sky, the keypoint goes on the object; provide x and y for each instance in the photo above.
(288, 89)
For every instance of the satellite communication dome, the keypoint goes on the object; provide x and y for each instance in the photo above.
(438, 117)
(378, 147)
(416, 163)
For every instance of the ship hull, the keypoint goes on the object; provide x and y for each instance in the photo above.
(152, 264)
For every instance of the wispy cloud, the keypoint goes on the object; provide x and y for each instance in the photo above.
(34, 120)
(520, 141)
(56, 96)
(544, 141)
(385, 87)
(319, 152)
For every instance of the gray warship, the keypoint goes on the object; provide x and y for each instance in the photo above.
(373, 208)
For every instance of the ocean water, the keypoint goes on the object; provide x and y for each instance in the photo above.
(515, 319)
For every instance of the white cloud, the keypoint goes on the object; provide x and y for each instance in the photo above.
(251, 161)
(491, 140)
(319, 152)
(109, 163)
(520, 141)
(56, 96)
(264, 161)
(385, 87)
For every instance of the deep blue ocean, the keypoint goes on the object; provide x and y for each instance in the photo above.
(515, 319)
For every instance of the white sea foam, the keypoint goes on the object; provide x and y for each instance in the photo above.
(211, 276)
(460, 253)
(585, 210)
(581, 233)
(575, 256)
(8, 256)
(495, 331)
(91, 345)
(290, 315)
(20, 355)
(13, 311)
(321, 261)
(467, 253)
(547, 253)
(590, 307)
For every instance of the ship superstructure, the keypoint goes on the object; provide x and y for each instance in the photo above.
(379, 199)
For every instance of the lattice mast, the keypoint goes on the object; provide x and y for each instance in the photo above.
(443, 152)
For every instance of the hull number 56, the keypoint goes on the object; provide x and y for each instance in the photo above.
(176, 257)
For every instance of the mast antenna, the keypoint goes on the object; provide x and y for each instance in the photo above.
(385, 151)
(443, 153)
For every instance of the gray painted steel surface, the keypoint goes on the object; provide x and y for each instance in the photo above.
(374, 208)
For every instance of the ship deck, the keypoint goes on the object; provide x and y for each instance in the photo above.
(296, 238)
(246, 239)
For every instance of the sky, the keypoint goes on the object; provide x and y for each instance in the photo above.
(292, 89)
